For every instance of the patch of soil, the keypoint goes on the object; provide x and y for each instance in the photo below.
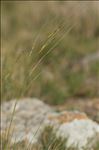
(89, 106)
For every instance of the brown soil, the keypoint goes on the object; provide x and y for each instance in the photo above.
(89, 106)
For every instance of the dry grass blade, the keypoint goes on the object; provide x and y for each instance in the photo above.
(40, 124)
(41, 59)
(7, 134)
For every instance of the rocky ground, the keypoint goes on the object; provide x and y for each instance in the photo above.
(31, 116)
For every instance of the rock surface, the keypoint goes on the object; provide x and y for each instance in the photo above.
(32, 115)
(27, 119)
(79, 132)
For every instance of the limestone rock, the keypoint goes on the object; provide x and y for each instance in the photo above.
(28, 118)
(81, 133)
(31, 116)
(76, 127)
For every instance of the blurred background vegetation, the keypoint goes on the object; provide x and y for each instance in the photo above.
(50, 50)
